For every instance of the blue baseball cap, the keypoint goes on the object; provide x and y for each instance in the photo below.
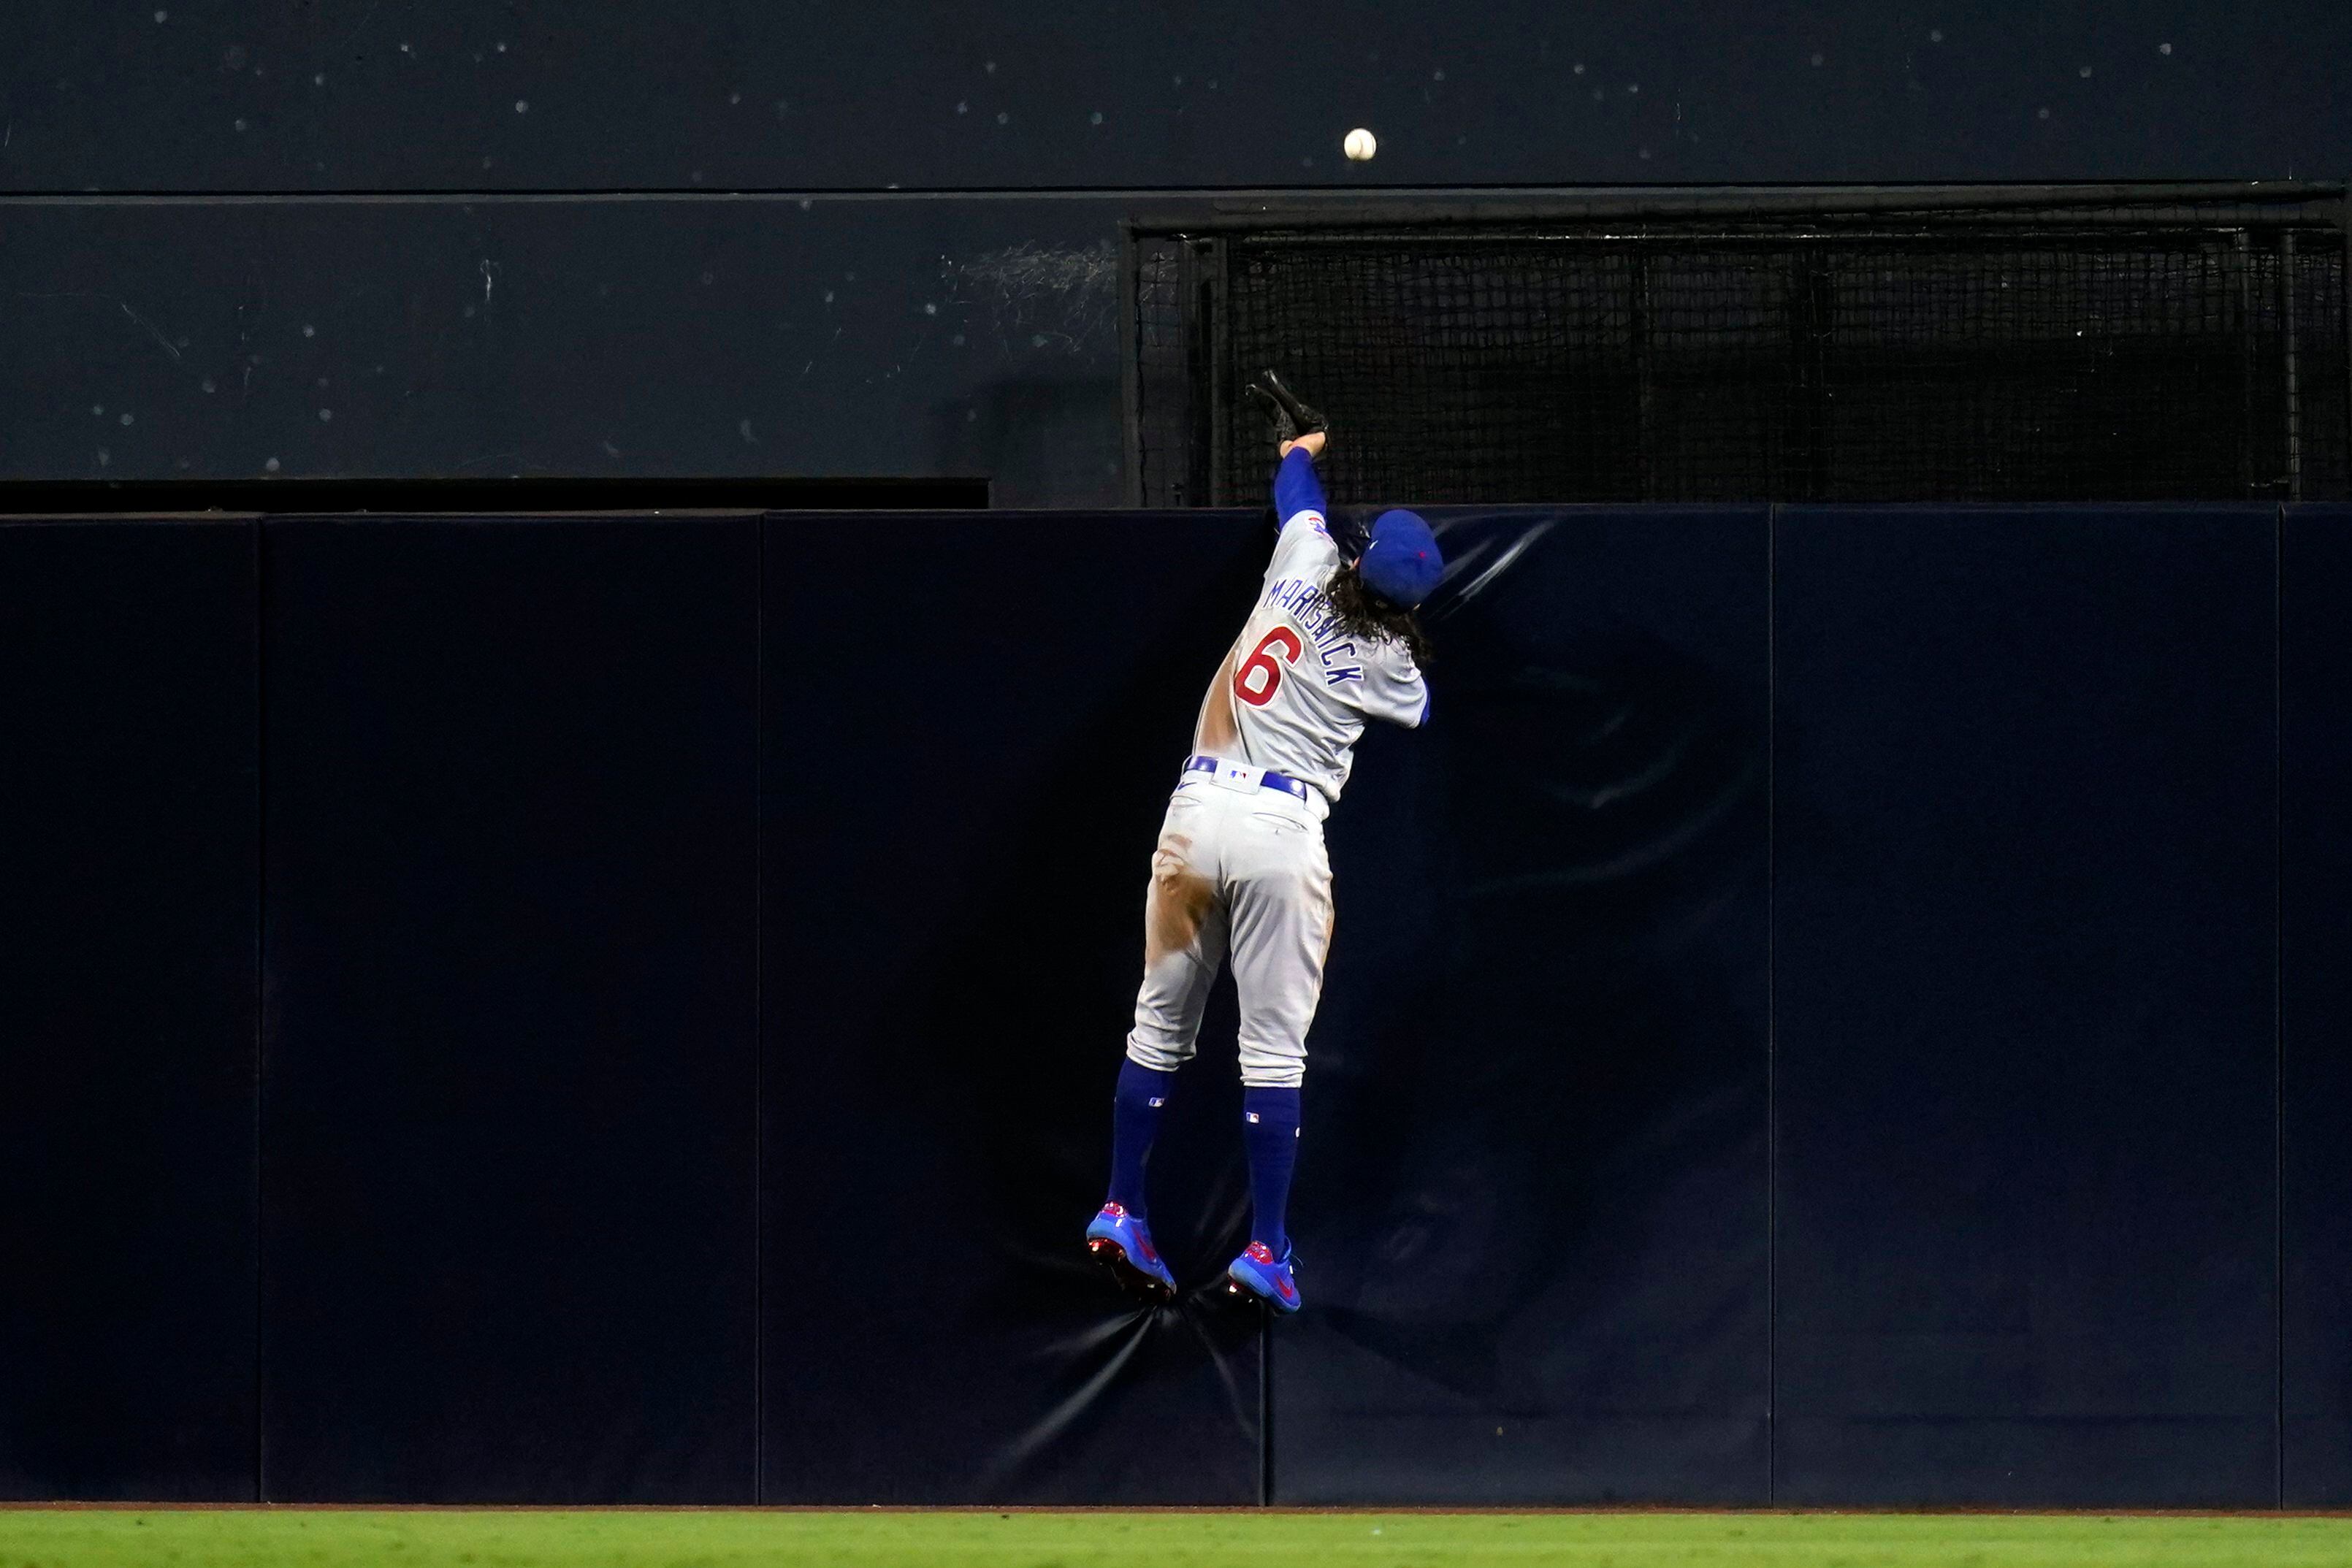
(1402, 563)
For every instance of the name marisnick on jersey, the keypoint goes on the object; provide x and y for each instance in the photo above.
(1303, 598)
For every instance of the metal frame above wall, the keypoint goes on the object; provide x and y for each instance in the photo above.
(1193, 273)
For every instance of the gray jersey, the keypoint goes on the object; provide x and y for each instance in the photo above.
(1295, 692)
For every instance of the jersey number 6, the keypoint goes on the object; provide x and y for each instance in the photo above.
(1260, 678)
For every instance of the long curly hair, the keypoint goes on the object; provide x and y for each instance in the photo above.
(1361, 613)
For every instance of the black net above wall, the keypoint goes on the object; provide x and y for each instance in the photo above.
(2183, 343)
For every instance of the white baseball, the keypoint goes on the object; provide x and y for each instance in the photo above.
(1361, 145)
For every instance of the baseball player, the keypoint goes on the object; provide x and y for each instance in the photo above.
(1240, 870)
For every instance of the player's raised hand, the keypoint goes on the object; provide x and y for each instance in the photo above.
(1292, 419)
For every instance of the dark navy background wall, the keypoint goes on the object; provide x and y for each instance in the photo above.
(1809, 1021)
(128, 897)
(353, 95)
(666, 336)
(2024, 918)
(511, 896)
(2315, 1002)
(375, 237)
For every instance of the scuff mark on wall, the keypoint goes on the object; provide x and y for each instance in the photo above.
(152, 330)
(1057, 297)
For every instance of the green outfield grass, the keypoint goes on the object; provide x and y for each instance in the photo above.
(63, 1538)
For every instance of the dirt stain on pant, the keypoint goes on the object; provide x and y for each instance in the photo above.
(1180, 901)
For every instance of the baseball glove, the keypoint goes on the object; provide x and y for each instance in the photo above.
(1291, 418)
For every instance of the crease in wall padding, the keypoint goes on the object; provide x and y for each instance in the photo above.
(1087, 1389)
(1087, 1372)
(954, 938)
(1532, 1200)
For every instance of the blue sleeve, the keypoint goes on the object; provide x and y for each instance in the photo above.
(1296, 487)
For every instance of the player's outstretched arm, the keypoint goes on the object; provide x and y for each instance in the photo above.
(1296, 486)
(1300, 432)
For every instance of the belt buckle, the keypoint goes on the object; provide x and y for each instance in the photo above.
(1238, 777)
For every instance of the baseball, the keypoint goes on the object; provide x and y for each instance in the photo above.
(1360, 145)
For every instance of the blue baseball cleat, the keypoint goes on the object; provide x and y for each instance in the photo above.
(1121, 1242)
(1258, 1272)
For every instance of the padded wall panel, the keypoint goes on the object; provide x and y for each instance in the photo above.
(509, 1229)
(128, 816)
(972, 727)
(1531, 1199)
(2025, 933)
(2316, 1002)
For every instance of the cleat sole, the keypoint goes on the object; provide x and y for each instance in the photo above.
(1237, 1291)
(1114, 1258)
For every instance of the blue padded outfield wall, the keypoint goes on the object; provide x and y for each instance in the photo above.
(1840, 1005)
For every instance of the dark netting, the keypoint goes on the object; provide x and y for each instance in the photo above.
(1165, 425)
(2075, 355)
(2320, 467)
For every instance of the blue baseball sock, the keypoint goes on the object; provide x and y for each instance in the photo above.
(1134, 1119)
(1270, 1130)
